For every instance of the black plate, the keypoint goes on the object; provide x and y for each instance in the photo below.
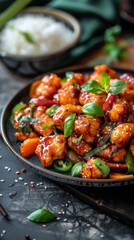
(33, 162)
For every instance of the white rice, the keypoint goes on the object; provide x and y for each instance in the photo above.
(49, 36)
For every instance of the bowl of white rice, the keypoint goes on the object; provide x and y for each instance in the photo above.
(38, 40)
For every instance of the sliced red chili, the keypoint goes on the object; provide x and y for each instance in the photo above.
(41, 101)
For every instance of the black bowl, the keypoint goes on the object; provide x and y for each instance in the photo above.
(35, 65)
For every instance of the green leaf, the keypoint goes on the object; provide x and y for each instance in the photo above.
(25, 129)
(118, 86)
(92, 86)
(27, 119)
(102, 166)
(129, 159)
(69, 74)
(51, 111)
(69, 125)
(94, 151)
(77, 140)
(115, 51)
(28, 37)
(75, 171)
(47, 125)
(105, 81)
(112, 33)
(93, 109)
(41, 215)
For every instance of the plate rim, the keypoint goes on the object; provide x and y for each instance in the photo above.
(44, 171)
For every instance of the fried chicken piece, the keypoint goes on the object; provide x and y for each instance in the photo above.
(23, 136)
(48, 86)
(62, 112)
(45, 125)
(119, 111)
(51, 148)
(128, 92)
(79, 146)
(98, 70)
(88, 127)
(70, 90)
(113, 154)
(122, 134)
(89, 170)
(86, 97)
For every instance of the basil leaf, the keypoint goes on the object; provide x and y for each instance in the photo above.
(105, 81)
(129, 159)
(118, 86)
(47, 125)
(28, 37)
(69, 125)
(93, 109)
(63, 80)
(41, 215)
(112, 33)
(25, 129)
(102, 166)
(51, 111)
(92, 86)
(77, 140)
(27, 119)
(69, 74)
(75, 171)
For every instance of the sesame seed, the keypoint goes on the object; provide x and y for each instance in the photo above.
(43, 225)
(4, 231)
(6, 167)
(58, 218)
(21, 179)
(1, 195)
(2, 180)
(64, 220)
(70, 230)
(25, 184)
(9, 169)
(16, 180)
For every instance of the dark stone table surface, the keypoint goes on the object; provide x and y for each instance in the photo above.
(24, 193)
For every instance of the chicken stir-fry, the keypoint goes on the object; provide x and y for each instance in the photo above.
(82, 124)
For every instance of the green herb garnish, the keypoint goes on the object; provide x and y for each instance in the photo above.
(51, 111)
(69, 74)
(28, 37)
(75, 171)
(102, 166)
(47, 125)
(41, 215)
(118, 86)
(129, 159)
(77, 140)
(69, 125)
(93, 109)
(104, 85)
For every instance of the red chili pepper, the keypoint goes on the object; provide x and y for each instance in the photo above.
(41, 101)
(108, 103)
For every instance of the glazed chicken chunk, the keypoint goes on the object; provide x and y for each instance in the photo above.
(51, 148)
